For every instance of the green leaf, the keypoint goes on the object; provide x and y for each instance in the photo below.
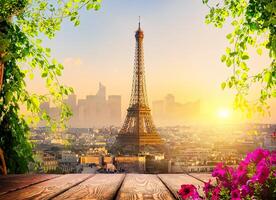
(97, 6)
(58, 71)
(31, 76)
(48, 50)
(245, 57)
(228, 50)
(267, 76)
(73, 18)
(60, 66)
(228, 62)
(223, 85)
(230, 84)
(77, 22)
(244, 66)
(44, 74)
(273, 93)
(223, 58)
(260, 51)
(229, 36)
(234, 23)
(232, 54)
(244, 76)
(90, 6)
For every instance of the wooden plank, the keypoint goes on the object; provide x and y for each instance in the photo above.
(143, 187)
(100, 187)
(174, 182)
(19, 181)
(202, 176)
(47, 189)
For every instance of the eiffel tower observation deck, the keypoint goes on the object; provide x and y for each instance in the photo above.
(138, 134)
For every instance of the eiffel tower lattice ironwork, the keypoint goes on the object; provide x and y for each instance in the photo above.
(138, 131)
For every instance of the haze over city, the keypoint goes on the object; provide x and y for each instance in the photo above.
(182, 55)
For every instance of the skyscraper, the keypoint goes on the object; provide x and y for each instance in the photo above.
(138, 133)
(114, 108)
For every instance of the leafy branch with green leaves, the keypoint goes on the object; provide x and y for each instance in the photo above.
(22, 25)
(254, 27)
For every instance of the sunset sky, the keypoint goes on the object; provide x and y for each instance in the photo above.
(182, 53)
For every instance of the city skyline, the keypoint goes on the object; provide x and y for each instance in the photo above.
(92, 111)
(191, 56)
(189, 111)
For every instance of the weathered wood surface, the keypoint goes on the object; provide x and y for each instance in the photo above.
(174, 182)
(143, 187)
(100, 187)
(202, 176)
(97, 186)
(15, 182)
(47, 189)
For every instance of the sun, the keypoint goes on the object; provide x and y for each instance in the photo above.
(224, 113)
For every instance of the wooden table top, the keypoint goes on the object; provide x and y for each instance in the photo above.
(96, 186)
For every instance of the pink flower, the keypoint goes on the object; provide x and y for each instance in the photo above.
(257, 155)
(273, 158)
(207, 187)
(220, 171)
(224, 175)
(215, 195)
(262, 173)
(235, 195)
(245, 190)
(240, 177)
(239, 181)
(243, 165)
(188, 191)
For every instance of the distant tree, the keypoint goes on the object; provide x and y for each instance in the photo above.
(22, 25)
(254, 27)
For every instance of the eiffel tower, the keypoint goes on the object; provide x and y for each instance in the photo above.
(138, 134)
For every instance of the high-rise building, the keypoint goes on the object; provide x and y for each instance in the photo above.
(93, 111)
(101, 94)
(71, 101)
(82, 113)
(138, 134)
(170, 112)
(114, 107)
(97, 111)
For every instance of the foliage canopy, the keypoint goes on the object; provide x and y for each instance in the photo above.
(22, 25)
(254, 27)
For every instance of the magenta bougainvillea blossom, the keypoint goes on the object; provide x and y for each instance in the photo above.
(254, 178)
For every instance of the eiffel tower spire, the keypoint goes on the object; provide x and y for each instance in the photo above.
(139, 94)
(138, 130)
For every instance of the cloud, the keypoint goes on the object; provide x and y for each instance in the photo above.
(69, 61)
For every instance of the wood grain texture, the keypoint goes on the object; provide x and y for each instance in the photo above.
(203, 176)
(143, 187)
(47, 189)
(99, 187)
(174, 182)
(15, 182)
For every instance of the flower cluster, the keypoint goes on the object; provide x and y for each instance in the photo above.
(188, 191)
(254, 178)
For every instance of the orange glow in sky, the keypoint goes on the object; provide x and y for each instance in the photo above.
(182, 54)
